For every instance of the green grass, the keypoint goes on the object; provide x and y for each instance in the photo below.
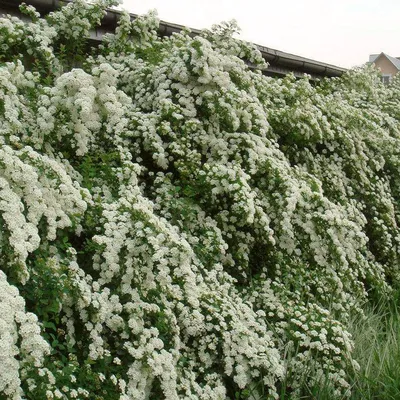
(377, 350)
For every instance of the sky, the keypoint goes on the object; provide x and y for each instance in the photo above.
(338, 32)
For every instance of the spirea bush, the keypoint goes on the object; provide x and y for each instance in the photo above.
(175, 224)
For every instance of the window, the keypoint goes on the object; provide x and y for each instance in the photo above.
(386, 78)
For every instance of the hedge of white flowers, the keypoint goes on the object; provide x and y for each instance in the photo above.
(176, 225)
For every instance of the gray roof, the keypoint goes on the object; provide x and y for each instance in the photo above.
(373, 57)
(393, 60)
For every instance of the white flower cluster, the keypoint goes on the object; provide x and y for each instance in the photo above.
(139, 33)
(180, 223)
(14, 83)
(75, 19)
(35, 38)
(21, 343)
(35, 187)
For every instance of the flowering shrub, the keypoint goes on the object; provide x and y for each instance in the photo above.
(174, 223)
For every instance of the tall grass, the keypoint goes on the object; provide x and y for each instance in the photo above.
(376, 338)
(377, 350)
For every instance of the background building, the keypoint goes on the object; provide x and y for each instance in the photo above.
(389, 66)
